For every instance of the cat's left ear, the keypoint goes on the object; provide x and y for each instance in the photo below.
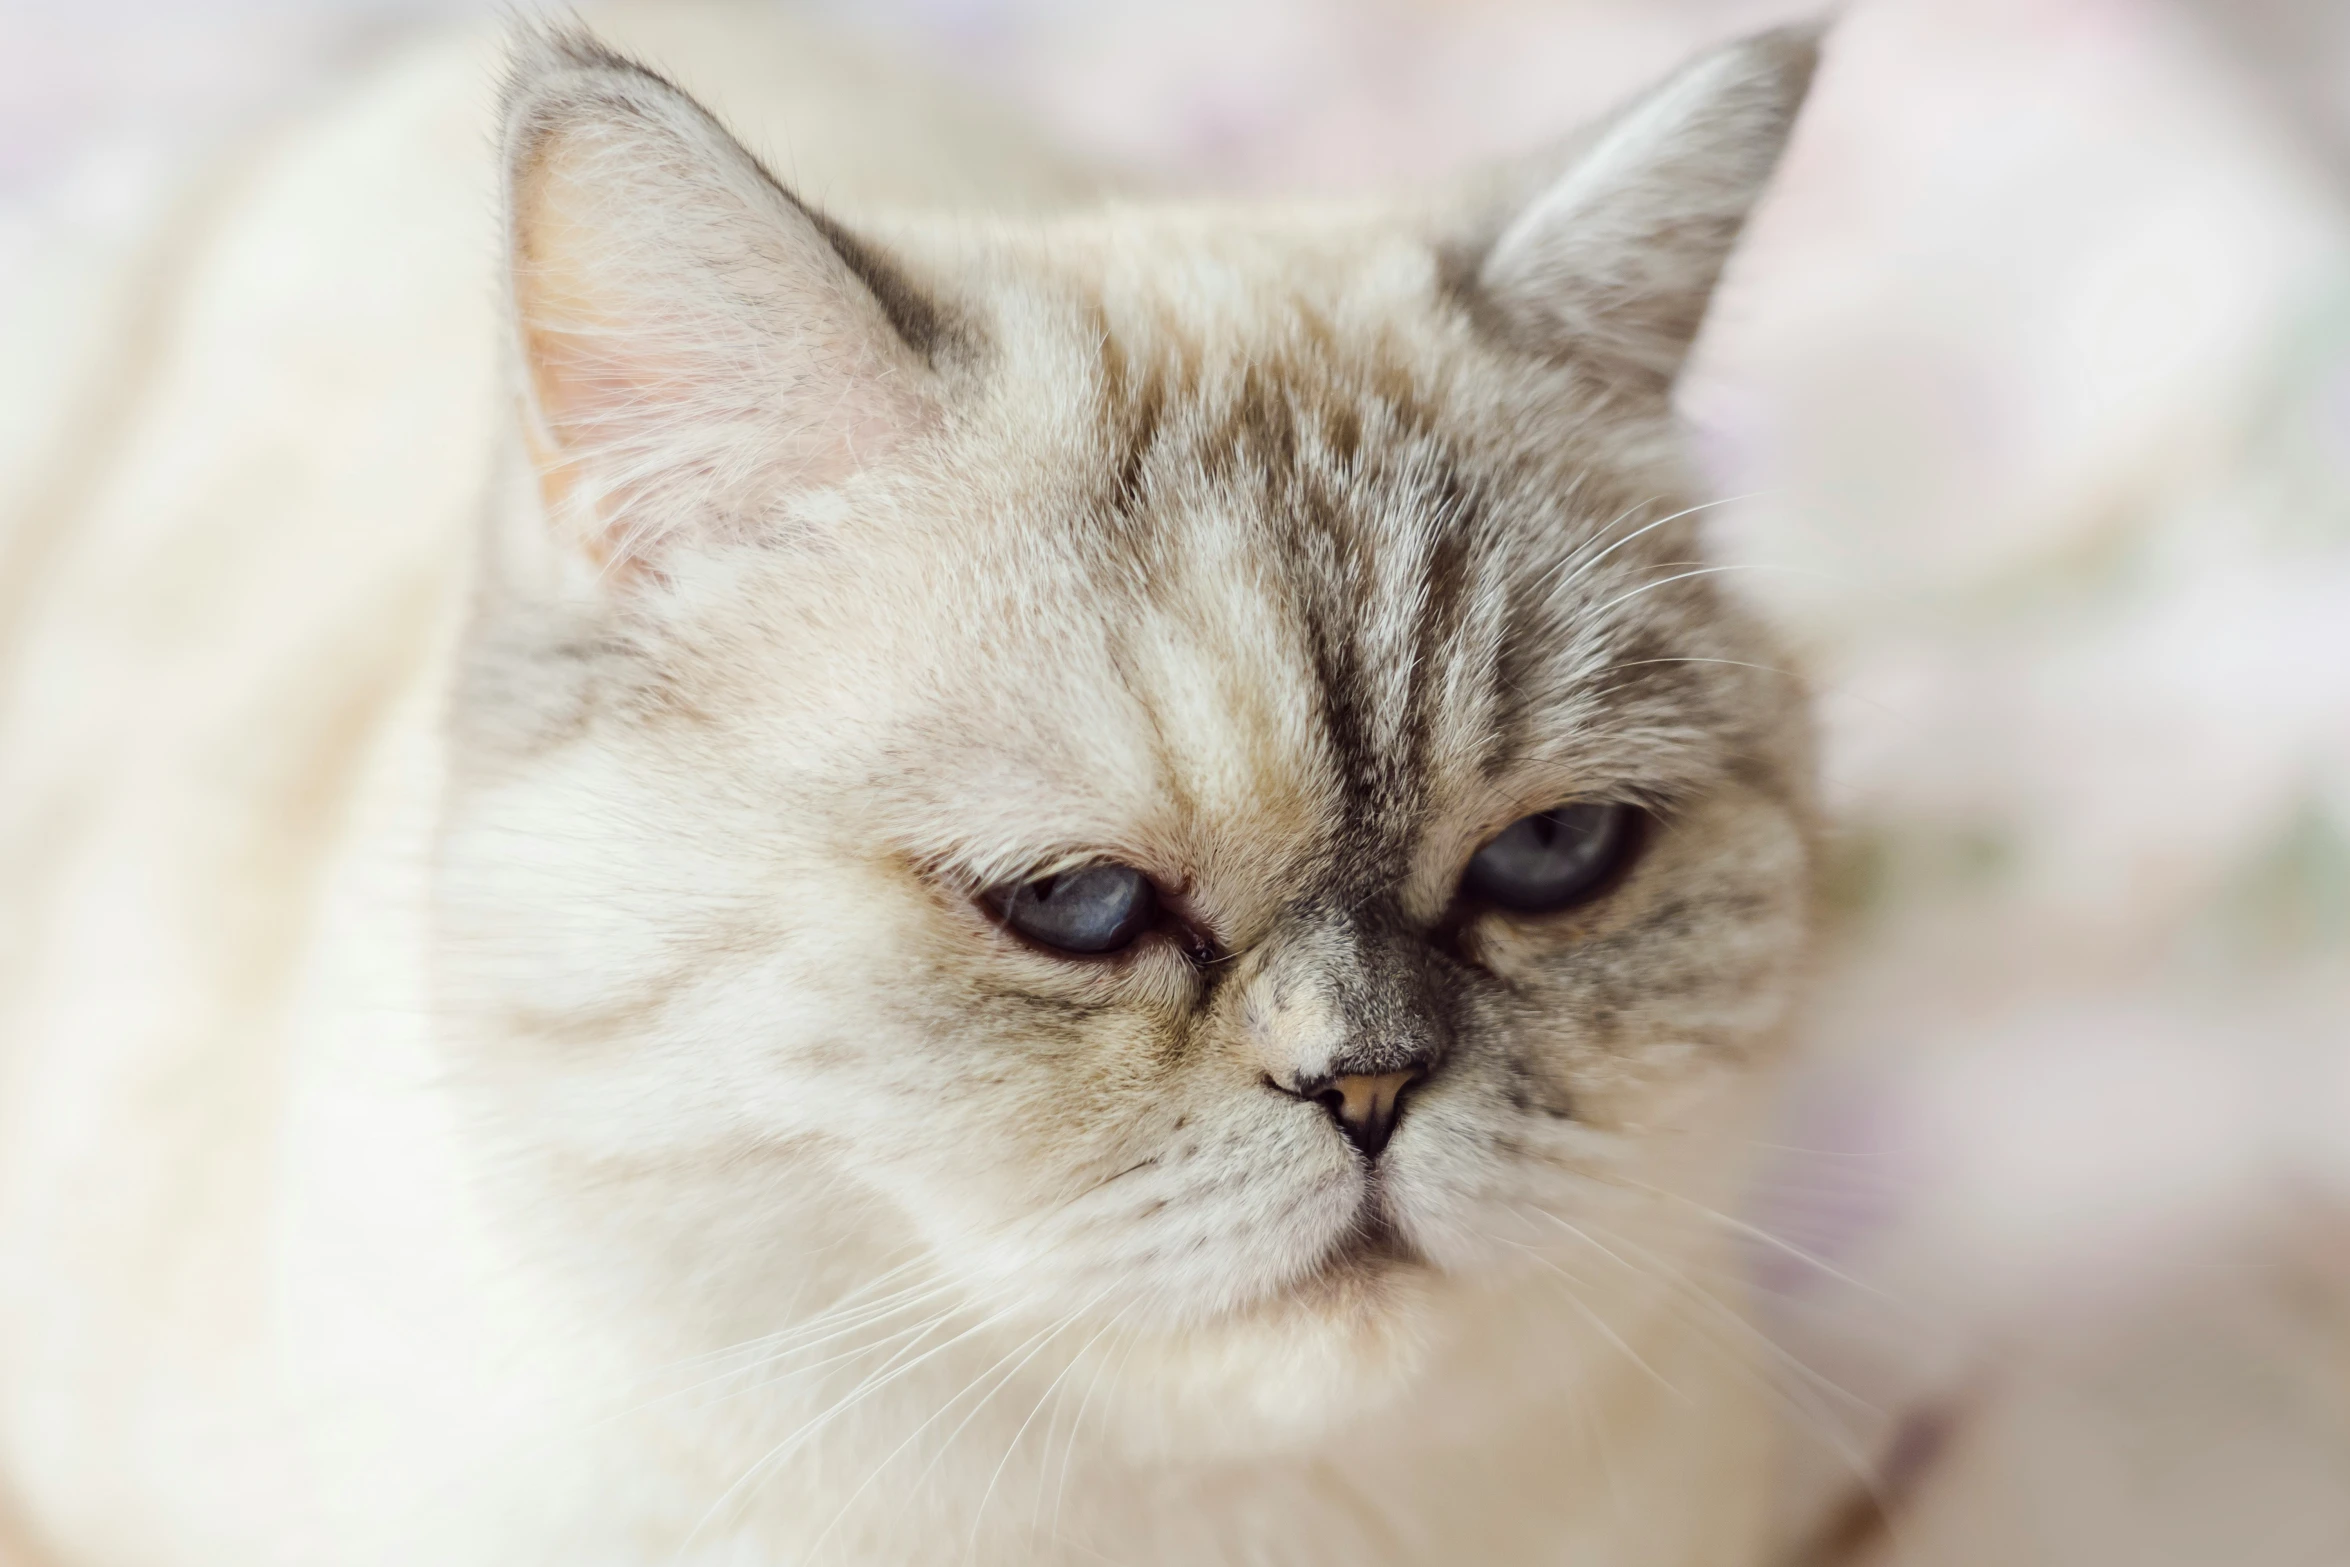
(1612, 260)
(700, 347)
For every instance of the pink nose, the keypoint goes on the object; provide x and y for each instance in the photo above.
(1365, 1106)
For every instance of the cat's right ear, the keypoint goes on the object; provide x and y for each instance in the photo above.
(700, 348)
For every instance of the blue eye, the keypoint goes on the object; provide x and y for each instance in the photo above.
(1553, 861)
(1095, 909)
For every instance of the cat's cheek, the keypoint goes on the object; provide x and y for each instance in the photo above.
(1243, 1204)
(1450, 1168)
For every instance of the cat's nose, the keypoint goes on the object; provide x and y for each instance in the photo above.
(1366, 1106)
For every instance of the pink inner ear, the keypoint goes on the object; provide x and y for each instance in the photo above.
(589, 394)
(695, 346)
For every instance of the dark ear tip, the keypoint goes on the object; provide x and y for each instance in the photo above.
(1786, 57)
(540, 51)
(545, 46)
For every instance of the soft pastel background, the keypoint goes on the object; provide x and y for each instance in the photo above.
(2033, 390)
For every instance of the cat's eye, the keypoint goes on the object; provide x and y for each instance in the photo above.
(1541, 864)
(1093, 909)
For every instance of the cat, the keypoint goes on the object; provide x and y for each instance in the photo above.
(1088, 886)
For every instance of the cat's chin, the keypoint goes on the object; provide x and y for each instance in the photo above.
(1345, 1342)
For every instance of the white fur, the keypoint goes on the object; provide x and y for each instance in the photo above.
(500, 1062)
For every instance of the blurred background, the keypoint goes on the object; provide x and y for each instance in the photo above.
(2032, 387)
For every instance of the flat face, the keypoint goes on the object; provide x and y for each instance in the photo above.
(1249, 574)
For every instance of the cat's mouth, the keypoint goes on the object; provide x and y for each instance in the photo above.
(1371, 1247)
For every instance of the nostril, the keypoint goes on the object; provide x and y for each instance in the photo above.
(1364, 1106)
(1333, 1104)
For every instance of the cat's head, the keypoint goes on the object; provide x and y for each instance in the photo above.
(1175, 768)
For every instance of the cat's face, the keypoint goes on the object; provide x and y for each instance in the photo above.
(1173, 760)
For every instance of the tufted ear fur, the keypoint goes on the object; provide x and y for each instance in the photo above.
(700, 347)
(1613, 261)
